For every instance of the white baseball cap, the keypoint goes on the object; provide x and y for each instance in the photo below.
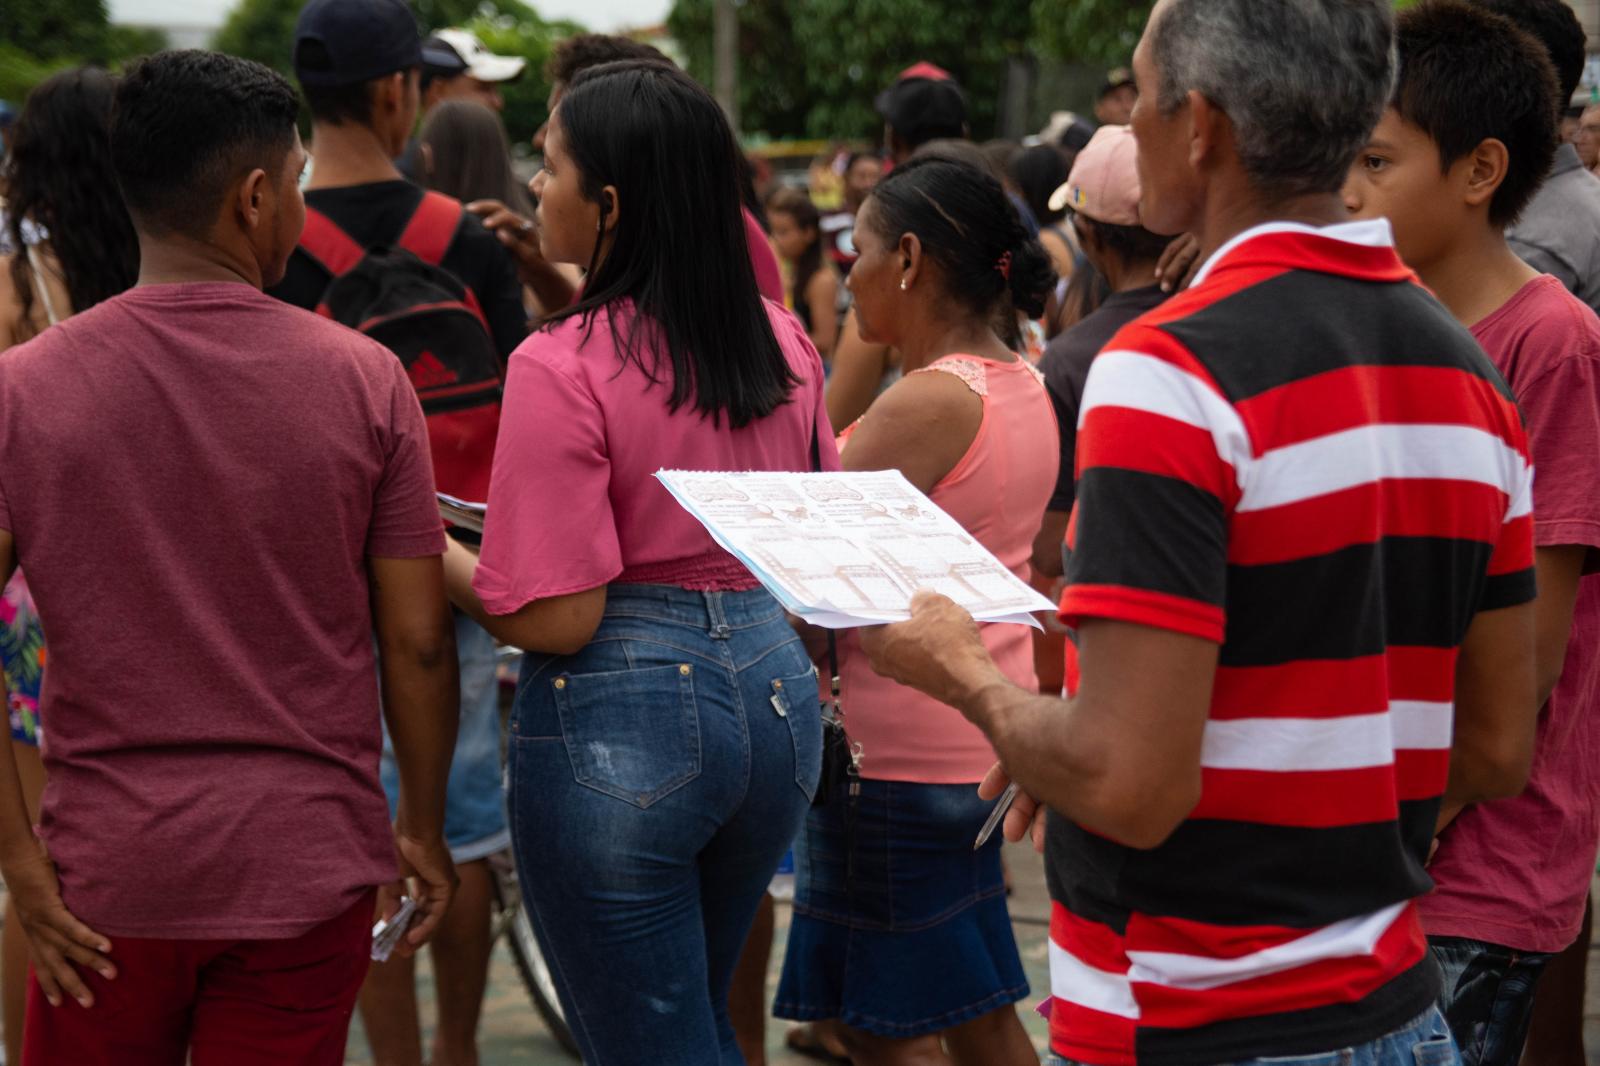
(460, 52)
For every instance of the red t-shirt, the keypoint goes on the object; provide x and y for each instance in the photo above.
(194, 476)
(1516, 872)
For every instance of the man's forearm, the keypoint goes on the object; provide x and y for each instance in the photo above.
(421, 703)
(1033, 737)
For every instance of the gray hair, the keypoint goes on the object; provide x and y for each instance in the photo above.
(1302, 81)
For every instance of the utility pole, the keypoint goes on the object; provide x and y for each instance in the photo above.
(726, 51)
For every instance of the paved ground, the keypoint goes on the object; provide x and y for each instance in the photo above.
(513, 1034)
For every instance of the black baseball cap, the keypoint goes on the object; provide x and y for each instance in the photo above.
(923, 104)
(345, 42)
(1115, 79)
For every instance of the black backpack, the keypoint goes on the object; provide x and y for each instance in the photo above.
(402, 298)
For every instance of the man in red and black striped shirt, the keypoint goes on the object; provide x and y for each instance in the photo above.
(1303, 515)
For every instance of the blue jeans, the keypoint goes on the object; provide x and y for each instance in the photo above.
(656, 779)
(1423, 1041)
(1487, 997)
(474, 801)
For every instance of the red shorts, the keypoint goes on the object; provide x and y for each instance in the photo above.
(212, 1002)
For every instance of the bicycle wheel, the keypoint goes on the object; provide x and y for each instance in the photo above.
(511, 921)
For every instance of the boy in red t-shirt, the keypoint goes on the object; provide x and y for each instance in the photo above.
(220, 501)
(1468, 138)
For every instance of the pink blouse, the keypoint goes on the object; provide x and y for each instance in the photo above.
(998, 492)
(573, 498)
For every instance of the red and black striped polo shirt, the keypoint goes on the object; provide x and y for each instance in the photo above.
(1305, 459)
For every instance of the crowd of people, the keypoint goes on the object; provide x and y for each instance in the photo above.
(1282, 375)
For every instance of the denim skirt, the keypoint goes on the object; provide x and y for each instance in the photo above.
(900, 928)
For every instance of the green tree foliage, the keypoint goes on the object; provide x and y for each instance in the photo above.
(772, 75)
(813, 67)
(39, 38)
(263, 30)
(524, 34)
(1099, 32)
(57, 29)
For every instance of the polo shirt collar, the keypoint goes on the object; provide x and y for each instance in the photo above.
(1359, 238)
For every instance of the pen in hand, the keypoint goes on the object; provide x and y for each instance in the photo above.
(999, 812)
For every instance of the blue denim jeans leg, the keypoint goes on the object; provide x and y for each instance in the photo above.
(656, 779)
(1423, 1041)
(1487, 997)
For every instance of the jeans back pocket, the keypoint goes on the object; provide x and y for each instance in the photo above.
(632, 734)
(796, 701)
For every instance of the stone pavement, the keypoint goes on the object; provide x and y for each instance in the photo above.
(512, 1034)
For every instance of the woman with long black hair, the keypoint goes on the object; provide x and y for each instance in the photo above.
(666, 737)
(74, 247)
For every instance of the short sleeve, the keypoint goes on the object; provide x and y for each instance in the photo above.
(550, 529)
(1561, 409)
(405, 513)
(1510, 579)
(1148, 538)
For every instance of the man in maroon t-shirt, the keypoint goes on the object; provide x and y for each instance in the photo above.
(218, 500)
(1456, 157)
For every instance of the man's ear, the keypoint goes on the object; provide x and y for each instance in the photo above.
(250, 199)
(1208, 127)
(1486, 167)
(389, 93)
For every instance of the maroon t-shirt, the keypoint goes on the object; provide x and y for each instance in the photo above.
(1516, 872)
(194, 476)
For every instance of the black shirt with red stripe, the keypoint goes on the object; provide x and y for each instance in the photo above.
(1305, 459)
(375, 214)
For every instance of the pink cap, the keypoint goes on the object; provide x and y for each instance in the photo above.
(927, 70)
(1104, 183)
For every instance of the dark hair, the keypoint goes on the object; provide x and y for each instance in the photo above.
(187, 125)
(581, 51)
(1466, 76)
(1002, 153)
(1038, 172)
(658, 136)
(57, 176)
(969, 227)
(856, 157)
(957, 150)
(798, 206)
(1555, 25)
(338, 105)
(1131, 244)
(471, 159)
(1303, 82)
(1085, 294)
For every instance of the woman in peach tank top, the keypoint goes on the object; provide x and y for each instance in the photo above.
(900, 928)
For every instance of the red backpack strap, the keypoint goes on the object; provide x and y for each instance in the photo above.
(432, 227)
(331, 247)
